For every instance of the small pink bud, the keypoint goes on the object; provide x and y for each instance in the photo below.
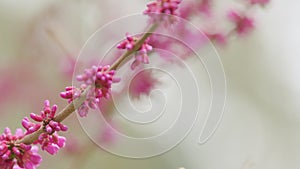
(52, 149)
(49, 129)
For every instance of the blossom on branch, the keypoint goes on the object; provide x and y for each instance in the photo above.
(243, 24)
(49, 140)
(100, 80)
(17, 155)
(71, 93)
(141, 54)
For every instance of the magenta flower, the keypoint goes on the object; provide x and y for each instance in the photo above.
(46, 117)
(14, 155)
(243, 24)
(51, 143)
(71, 93)
(30, 126)
(141, 55)
(100, 80)
(162, 7)
(30, 159)
(49, 140)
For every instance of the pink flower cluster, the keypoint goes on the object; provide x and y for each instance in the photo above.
(100, 80)
(142, 84)
(243, 24)
(163, 6)
(49, 140)
(14, 155)
(141, 54)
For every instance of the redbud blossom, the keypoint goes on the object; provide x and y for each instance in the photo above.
(142, 84)
(243, 24)
(141, 55)
(46, 116)
(17, 155)
(51, 143)
(71, 93)
(100, 80)
(49, 140)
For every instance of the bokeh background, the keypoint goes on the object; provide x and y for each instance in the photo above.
(40, 40)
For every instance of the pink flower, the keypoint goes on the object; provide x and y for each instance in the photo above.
(49, 140)
(30, 126)
(51, 143)
(141, 55)
(30, 159)
(71, 93)
(205, 7)
(46, 116)
(217, 37)
(243, 24)
(142, 84)
(107, 135)
(163, 7)
(259, 2)
(100, 80)
(13, 155)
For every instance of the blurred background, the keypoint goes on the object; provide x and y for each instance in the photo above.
(39, 44)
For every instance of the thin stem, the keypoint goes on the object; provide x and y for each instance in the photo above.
(70, 108)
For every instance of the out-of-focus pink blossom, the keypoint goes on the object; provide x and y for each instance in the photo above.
(30, 126)
(73, 145)
(205, 7)
(259, 2)
(243, 24)
(107, 135)
(67, 65)
(141, 55)
(17, 155)
(219, 38)
(142, 84)
(186, 10)
(100, 80)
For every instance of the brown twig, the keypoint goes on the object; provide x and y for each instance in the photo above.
(70, 108)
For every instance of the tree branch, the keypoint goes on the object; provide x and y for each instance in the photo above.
(70, 108)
